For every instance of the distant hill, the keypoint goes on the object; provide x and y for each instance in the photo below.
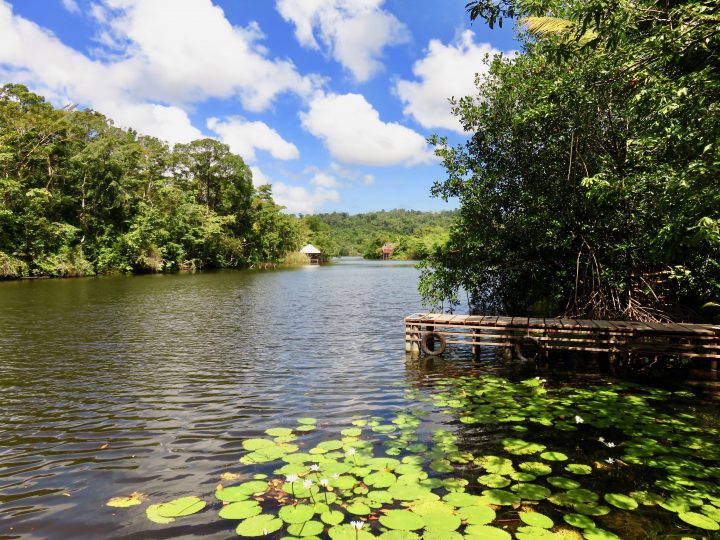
(414, 232)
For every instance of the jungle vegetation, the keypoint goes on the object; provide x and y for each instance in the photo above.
(589, 182)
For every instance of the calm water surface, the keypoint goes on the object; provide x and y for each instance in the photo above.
(118, 384)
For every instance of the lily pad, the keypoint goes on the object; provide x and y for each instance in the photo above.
(332, 517)
(485, 532)
(308, 528)
(184, 506)
(591, 509)
(240, 510)
(599, 534)
(296, 514)
(619, 500)
(403, 520)
(536, 519)
(531, 492)
(152, 515)
(699, 520)
(307, 421)
(580, 521)
(257, 444)
(578, 468)
(476, 515)
(500, 497)
(562, 482)
(554, 456)
(535, 467)
(124, 502)
(494, 480)
(278, 432)
(260, 525)
(441, 521)
(359, 509)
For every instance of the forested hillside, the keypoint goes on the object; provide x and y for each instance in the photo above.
(414, 233)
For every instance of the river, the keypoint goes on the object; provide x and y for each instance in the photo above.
(151, 384)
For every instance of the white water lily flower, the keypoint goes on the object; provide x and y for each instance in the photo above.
(601, 439)
(314, 467)
(610, 460)
(610, 445)
(357, 524)
(578, 419)
(351, 452)
(291, 478)
(324, 482)
(307, 483)
(335, 476)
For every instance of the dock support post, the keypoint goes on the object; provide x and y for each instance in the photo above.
(507, 354)
(476, 345)
(431, 342)
(412, 331)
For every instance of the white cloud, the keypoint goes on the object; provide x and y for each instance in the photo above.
(368, 179)
(245, 137)
(324, 180)
(71, 6)
(258, 177)
(445, 71)
(161, 60)
(354, 133)
(297, 199)
(354, 32)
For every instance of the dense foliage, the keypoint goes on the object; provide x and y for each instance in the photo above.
(80, 196)
(413, 233)
(589, 184)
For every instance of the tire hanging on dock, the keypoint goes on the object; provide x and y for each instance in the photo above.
(438, 348)
(528, 349)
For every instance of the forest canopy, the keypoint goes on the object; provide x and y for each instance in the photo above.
(589, 183)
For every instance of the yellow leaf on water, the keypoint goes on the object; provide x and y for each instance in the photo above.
(229, 476)
(129, 500)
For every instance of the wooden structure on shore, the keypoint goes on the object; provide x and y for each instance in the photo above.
(617, 338)
(387, 251)
(313, 253)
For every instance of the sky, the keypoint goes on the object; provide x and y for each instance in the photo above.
(330, 101)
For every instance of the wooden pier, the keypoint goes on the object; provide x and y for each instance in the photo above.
(430, 332)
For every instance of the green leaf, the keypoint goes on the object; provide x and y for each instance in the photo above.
(261, 525)
(296, 514)
(536, 519)
(699, 520)
(621, 501)
(404, 520)
(240, 510)
(184, 506)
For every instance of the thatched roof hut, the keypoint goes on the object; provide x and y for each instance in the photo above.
(312, 252)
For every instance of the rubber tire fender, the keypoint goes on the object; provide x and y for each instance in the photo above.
(533, 342)
(438, 349)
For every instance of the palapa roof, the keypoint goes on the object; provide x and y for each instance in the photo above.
(310, 250)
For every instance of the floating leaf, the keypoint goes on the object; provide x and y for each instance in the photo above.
(599, 534)
(260, 525)
(500, 497)
(130, 500)
(404, 520)
(240, 510)
(554, 456)
(494, 480)
(536, 519)
(307, 421)
(257, 444)
(536, 468)
(296, 514)
(562, 482)
(441, 521)
(184, 506)
(577, 468)
(477, 515)
(152, 514)
(520, 447)
(278, 432)
(241, 492)
(359, 509)
(486, 532)
(332, 517)
(531, 492)
(621, 501)
(351, 432)
(578, 520)
(699, 520)
(348, 532)
(308, 528)
(591, 509)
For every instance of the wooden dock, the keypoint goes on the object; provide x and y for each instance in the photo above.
(515, 334)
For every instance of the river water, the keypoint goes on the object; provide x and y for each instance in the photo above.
(112, 385)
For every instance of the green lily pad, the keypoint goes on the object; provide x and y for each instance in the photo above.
(359, 509)
(531, 492)
(711, 511)
(351, 432)
(308, 528)
(278, 432)
(624, 502)
(476, 515)
(485, 532)
(562, 482)
(332, 517)
(500, 497)
(591, 509)
(699, 520)
(494, 480)
(260, 525)
(152, 514)
(441, 521)
(242, 491)
(403, 520)
(554, 456)
(495, 464)
(240, 510)
(536, 519)
(348, 532)
(460, 500)
(307, 421)
(296, 514)
(580, 521)
(578, 468)
(184, 506)
(599, 534)
(582, 495)
(535, 467)
(380, 479)
(257, 444)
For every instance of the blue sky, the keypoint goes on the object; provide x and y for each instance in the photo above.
(330, 101)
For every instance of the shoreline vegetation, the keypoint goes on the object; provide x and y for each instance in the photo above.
(80, 196)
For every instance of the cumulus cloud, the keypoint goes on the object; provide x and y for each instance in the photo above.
(245, 137)
(297, 199)
(353, 132)
(324, 180)
(150, 69)
(71, 6)
(258, 177)
(445, 71)
(353, 32)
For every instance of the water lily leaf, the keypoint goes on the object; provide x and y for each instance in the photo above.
(621, 501)
(296, 514)
(527, 532)
(348, 532)
(531, 492)
(476, 515)
(646, 498)
(441, 521)
(599, 534)
(351, 432)
(408, 492)
(305, 427)
(536, 468)
(344, 482)
(562, 482)
(522, 476)
(460, 500)
(240, 510)
(495, 464)
(485, 532)
(380, 479)
(578, 520)
(241, 492)
(554, 456)
(401, 535)
(332, 517)
(501, 497)
(184, 506)
(380, 496)
(536, 519)
(441, 466)
(124, 502)
(711, 511)
(359, 509)
(494, 480)
(699, 520)
(257, 444)
(520, 447)
(152, 515)
(404, 520)
(582, 495)
(384, 429)
(308, 528)
(260, 525)
(591, 509)
(307, 421)
(578, 468)
(278, 432)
